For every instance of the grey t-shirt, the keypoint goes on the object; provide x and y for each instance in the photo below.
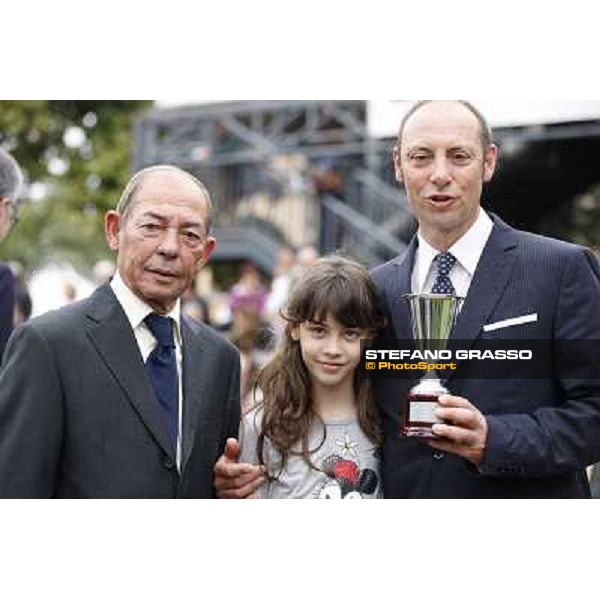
(347, 462)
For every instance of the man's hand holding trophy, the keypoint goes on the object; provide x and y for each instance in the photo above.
(449, 423)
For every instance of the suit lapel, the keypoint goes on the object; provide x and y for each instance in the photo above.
(399, 286)
(489, 281)
(399, 283)
(194, 381)
(111, 334)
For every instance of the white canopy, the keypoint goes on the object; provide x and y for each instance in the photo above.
(384, 116)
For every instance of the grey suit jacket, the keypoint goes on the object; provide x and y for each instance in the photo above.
(78, 416)
(542, 432)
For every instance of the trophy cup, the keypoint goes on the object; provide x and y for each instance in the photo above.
(433, 317)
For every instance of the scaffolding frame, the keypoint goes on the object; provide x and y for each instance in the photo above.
(219, 140)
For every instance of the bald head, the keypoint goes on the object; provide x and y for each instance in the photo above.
(484, 128)
(162, 176)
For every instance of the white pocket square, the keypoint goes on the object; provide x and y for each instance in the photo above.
(511, 322)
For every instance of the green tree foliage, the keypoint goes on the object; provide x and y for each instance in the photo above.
(577, 221)
(587, 219)
(78, 152)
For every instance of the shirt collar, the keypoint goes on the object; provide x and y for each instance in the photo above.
(137, 310)
(425, 255)
(467, 250)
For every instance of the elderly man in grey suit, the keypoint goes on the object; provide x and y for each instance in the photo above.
(11, 180)
(120, 395)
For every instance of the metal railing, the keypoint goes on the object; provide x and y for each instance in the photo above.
(345, 230)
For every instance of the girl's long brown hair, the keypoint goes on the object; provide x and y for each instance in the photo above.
(336, 287)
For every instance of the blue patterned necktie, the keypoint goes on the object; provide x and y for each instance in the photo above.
(161, 367)
(443, 285)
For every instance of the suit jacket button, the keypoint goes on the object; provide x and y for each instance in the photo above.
(438, 455)
(168, 463)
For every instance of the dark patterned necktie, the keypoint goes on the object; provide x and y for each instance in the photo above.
(161, 367)
(443, 285)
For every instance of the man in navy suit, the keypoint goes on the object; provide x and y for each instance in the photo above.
(501, 438)
(10, 183)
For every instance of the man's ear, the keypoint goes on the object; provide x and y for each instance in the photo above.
(397, 164)
(209, 247)
(112, 227)
(490, 160)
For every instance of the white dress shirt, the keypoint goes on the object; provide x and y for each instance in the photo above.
(137, 310)
(467, 251)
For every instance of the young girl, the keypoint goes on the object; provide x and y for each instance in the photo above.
(316, 431)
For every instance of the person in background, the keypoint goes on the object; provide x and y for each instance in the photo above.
(195, 306)
(249, 293)
(11, 180)
(23, 304)
(103, 271)
(69, 292)
(280, 285)
(306, 257)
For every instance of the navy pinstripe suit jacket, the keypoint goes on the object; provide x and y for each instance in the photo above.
(542, 432)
